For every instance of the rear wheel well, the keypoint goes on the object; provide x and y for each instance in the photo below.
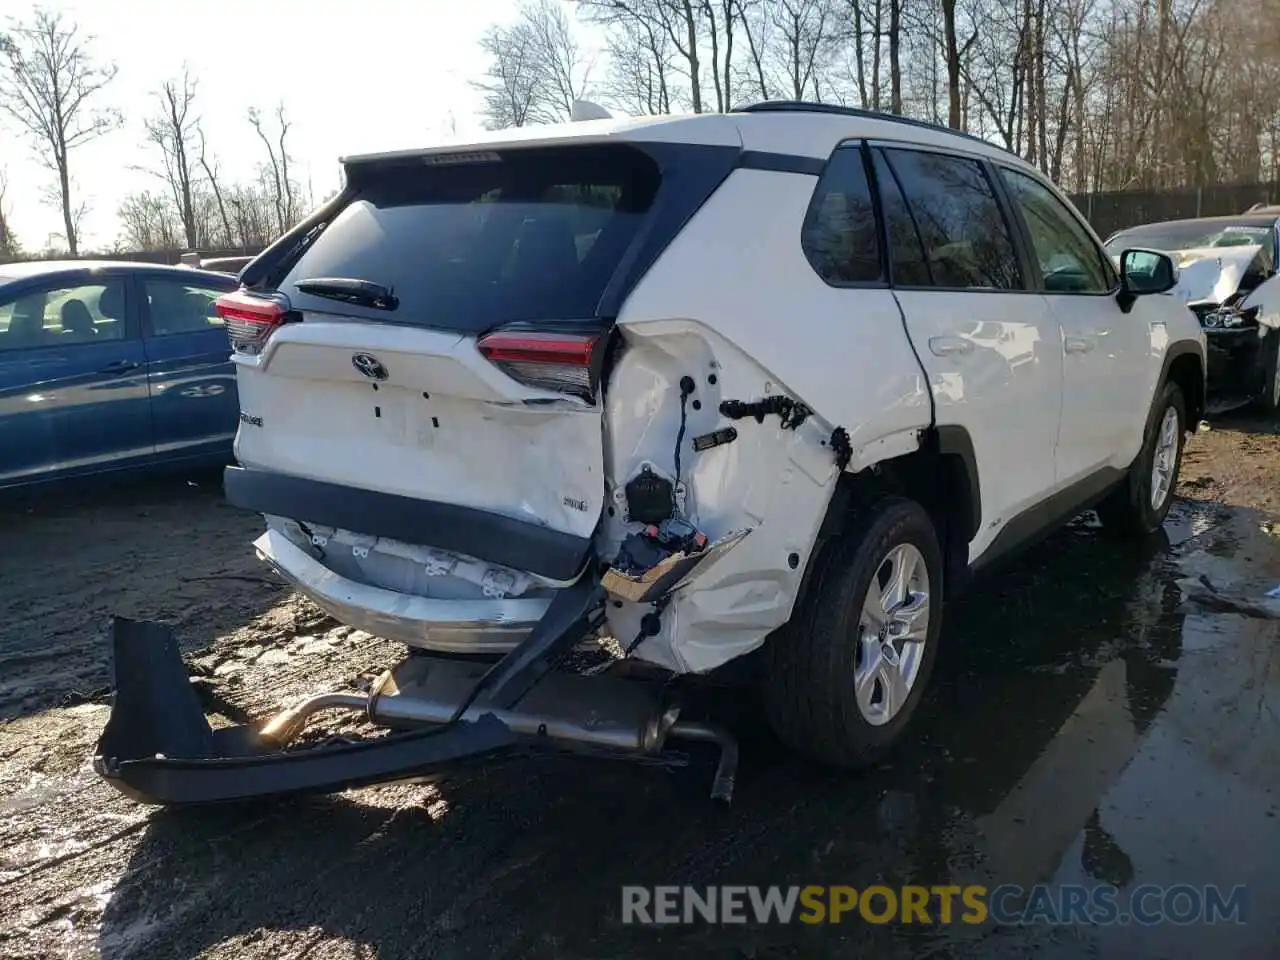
(1187, 372)
(941, 476)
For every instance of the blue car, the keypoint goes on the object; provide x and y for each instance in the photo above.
(109, 366)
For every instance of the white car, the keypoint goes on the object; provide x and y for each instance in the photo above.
(1227, 276)
(779, 380)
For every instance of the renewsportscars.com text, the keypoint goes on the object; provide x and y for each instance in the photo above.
(1009, 904)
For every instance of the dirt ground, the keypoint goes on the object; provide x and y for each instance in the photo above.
(1235, 462)
(1090, 712)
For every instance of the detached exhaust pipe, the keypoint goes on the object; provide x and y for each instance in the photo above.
(567, 710)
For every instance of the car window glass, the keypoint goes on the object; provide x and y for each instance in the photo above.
(907, 262)
(64, 316)
(966, 239)
(1070, 261)
(467, 246)
(839, 233)
(178, 307)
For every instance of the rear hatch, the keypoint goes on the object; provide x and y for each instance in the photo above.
(428, 369)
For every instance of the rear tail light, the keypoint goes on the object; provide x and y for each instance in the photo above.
(249, 320)
(563, 362)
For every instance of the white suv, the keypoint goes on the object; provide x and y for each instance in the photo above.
(774, 380)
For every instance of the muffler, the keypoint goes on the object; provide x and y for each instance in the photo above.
(568, 709)
(564, 710)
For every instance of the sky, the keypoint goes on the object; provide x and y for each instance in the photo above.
(353, 75)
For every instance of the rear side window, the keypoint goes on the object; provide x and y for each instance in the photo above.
(536, 235)
(907, 263)
(175, 307)
(966, 239)
(839, 233)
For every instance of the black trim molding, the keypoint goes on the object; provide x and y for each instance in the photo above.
(513, 543)
(781, 162)
(1043, 519)
(955, 441)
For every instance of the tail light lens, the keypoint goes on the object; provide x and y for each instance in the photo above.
(563, 362)
(249, 320)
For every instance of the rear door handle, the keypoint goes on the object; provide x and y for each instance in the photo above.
(950, 346)
(1077, 344)
(122, 366)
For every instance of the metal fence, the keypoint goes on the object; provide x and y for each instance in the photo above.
(1118, 209)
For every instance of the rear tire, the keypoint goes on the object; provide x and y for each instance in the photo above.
(838, 688)
(1139, 505)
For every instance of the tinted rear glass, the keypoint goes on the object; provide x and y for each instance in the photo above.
(534, 236)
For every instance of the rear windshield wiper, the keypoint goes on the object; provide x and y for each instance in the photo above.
(363, 293)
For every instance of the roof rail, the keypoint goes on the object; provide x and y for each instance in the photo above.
(805, 106)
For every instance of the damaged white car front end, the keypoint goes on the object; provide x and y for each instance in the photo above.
(1234, 291)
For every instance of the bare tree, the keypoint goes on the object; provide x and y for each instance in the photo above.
(639, 78)
(681, 23)
(755, 29)
(9, 246)
(51, 83)
(955, 54)
(511, 85)
(283, 189)
(174, 130)
(210, 168)
(804, 34)
(536, 68)
(148, 222)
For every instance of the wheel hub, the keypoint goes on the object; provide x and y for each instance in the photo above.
(893, 628)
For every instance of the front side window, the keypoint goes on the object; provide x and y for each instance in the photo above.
(967, 242)
(63, 316)
(1070, 262)
(176, 307)
(839, 233)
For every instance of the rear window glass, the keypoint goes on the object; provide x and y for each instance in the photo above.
(534, 236)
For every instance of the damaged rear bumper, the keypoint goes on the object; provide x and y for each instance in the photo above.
(487, 625)
(158, 747)
(437, 714)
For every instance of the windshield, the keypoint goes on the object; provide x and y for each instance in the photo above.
(1195, 233)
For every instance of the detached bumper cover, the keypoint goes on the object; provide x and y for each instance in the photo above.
(158, 747)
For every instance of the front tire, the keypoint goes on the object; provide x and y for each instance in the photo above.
(1140, 504)
(844, 676)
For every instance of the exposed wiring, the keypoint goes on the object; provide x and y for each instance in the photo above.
(686, 388)
(792, 413)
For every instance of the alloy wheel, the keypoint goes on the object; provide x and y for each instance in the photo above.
(893, 627)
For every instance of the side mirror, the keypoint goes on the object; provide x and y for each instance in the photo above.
(1144, 272)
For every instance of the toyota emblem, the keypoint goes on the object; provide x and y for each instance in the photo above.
(370, 366)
